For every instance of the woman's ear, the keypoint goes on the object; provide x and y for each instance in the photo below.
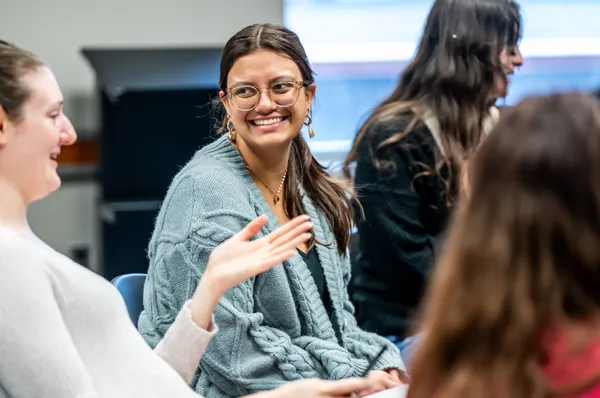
(224, 101)
(3, 124)
(310, 91)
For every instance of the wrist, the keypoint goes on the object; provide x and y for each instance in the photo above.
(203, 303)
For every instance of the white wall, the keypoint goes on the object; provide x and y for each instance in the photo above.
(68, 219)
(57, 30)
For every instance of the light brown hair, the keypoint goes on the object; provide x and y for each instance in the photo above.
(15, 62)
(522, 255)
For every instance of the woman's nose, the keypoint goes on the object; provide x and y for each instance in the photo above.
(68, 135)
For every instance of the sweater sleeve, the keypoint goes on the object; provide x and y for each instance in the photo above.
(37, 355)
(184, 343)
(246, 356)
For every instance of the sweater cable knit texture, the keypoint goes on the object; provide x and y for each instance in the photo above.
(274, 328)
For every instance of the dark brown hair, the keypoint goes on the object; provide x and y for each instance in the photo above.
(15, 62)
(522, 256)
(333, 197)
(452, 75)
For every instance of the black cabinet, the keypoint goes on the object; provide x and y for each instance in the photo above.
(155, 114)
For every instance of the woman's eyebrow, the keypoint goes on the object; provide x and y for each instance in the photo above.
(285, 77)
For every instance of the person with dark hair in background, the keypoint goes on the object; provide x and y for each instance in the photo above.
(513, 306)
(65, 331)
(294, 321)
(409, 153)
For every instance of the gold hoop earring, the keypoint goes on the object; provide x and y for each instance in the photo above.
(231, 134)
(307, 123)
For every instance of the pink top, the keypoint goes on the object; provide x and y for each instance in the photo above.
(574, 367)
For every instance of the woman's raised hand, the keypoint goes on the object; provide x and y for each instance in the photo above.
(239, 258)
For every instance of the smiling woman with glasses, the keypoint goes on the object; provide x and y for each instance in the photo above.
(294, 321)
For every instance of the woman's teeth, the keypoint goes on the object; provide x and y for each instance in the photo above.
(266, 122)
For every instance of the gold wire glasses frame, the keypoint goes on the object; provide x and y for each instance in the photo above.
(283, 94)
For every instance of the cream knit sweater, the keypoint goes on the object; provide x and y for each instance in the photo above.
(65, 333)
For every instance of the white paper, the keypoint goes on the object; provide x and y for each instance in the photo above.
(396, 392)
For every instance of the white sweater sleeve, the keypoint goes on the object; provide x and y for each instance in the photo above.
(184, 344)
(37, 356)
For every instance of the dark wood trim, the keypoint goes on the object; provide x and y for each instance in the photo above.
(83, 152)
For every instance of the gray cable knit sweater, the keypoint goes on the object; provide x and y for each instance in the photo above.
(273, 328)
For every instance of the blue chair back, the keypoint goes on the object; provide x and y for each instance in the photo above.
(131, 287)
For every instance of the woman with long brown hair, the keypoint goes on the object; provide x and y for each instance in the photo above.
(294, 321)
(513, 309)
(408, 154)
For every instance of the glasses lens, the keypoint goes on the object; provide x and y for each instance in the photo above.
(244, 97)
(284, 93)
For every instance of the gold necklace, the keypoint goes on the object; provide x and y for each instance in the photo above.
(276, 197)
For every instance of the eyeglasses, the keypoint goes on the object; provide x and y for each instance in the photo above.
(283, 94)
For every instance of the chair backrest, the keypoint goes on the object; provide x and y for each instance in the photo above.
(131, 287)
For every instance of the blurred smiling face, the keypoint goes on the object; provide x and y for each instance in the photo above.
(510, 58)
(267, 100)
(31, 144)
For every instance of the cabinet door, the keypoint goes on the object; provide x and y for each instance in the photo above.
(126, 231)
